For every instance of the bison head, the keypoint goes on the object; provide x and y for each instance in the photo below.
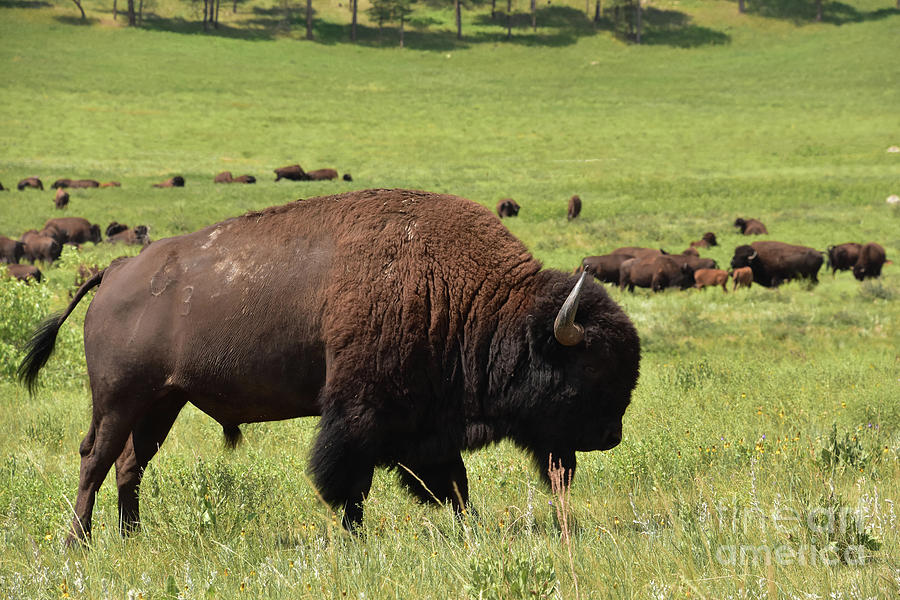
(95, 234)
(744, 256)
(710, 238)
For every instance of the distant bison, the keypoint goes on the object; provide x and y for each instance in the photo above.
(115, 227)
(75, 183)
(292, 172)
(74, 230)
(692, 251)
(871, 258)
(508, 207)
(656, 272)
(574, 207)
(41, 245)
(842, 257)
(751, 226)
(177, 181)
(742, 277)
(637, 251)
(410, 352)
(61, 200)
(31, 182)
(134, 237)
(3, 189)
(225, 177)
(321, 175)
(244, 179)
(11, 251)
(110, 184)
(708, 239)
(24, 272)
(710, 277)
(605, 267)
(347, 177)
(773, 263)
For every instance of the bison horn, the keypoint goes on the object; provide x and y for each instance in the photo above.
(752, 256)
(566, 330)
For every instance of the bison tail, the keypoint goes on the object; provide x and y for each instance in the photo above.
(233, 436)
(43, 340)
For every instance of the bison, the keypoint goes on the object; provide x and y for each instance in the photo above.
(110, 184)
(244, 179)
(292, 172)
(134, 237)
(31, 182)
(637, 251)
(692, 251)
(24, 272)
(347, 177)
(707, 277)
(871, 258)
(413, 323)
(751, 226)
(656, 272)
(574, 207)
(605, 267)
(507, 207)
(61, 200)
(321, 175)
(176, 181)
(708, 240)
(842, 257)
(11, 251)
(742, 277)
(74, 230)
(115, 227)
(3, 189)
(223, 177)
(75, 183)
(41, 245)
(773, 263)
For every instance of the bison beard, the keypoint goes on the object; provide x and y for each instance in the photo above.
(444, 335)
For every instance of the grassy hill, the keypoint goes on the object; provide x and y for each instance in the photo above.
(752, 407)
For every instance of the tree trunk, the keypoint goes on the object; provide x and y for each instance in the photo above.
(508, 19)
(587, 9)
(741, 6)
(355, 6)
(309, 34)
(402, 19)
(216, 21)
(140, 17)
(534, 15)
(494, 9)
(234, 7)
(458, 9)
(78, 4)
(598, 10)
(818, 11)
(131, 22)
(638, 32)
(115, 9)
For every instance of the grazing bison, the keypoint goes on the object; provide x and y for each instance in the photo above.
(871, 259)
(751, 226)
(507, 207)
(292, 172)
(347, 177)
(742, 277)
(40, 245)
(133, 237)
(707, 277)
(656, 272)
(31, 182)
(605, 267)
(110, 184)
(3, 189)
(708, 240)
(773, 263)
(414, 323)
(61, 200)
(24, 272)
(11, 251)
(842, 257)
(321, 175)
(74, 230)
(177, 181)
(574, 207)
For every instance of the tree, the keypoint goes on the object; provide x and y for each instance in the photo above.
(402, 10)
(309, 15)
(354, 7)
(508, 19)
(381, 11)
(741, 8)
(78, 4)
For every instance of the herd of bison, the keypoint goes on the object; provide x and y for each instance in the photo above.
(768, 263)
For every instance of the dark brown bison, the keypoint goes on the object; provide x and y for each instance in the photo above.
(40, 245)
(292, 172)
(507, 207)
(742, 277)
(133, 237)
(75, 183)
(842, 257)
(177, 181)
(574, 207)
(698, 263)
(11, 251)
(31, 182)
(61, 200)
(692, 251)
(415, 324)
(871, 258)
(3, 189)
(115, 227)
(773, 263)
(751, 227)
(24, 272)
(708, 240)
(706, 277)
(223, 177)
(244, 179)
(637, 251)
(605, 267)
(110, 184)
(74, 230)
(347, 177)
(656, 272)
(321, 175)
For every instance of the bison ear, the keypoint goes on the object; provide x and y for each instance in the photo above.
(565, 329)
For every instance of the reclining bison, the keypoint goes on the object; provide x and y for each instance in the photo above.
(773, 263)
(24, 272)
(75, 183)
(226, 177)
(751, 226)
(410, 352)
(138, 236)
(176, 181)
(296, 173)
(708, 240)
(507, 207)
(30, 182)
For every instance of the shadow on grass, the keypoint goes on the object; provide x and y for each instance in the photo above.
(76, 20)
(804, 11)
(673, 28)
(24, 4)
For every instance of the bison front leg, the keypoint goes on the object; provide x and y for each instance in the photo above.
(438, 482)
(342, 470)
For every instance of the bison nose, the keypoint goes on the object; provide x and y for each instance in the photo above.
(612, 438)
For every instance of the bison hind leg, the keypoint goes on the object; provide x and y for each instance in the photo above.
(438, 482)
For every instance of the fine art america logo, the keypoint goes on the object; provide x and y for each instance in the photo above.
(818, 536)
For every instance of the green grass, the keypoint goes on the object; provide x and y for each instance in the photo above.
(720, 115)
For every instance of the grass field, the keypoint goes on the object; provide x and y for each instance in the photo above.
(766, 423)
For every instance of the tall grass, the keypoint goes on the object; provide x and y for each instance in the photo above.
(758, 414)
